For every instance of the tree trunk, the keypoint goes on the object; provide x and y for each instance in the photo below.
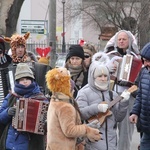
(144, 30)
(12, 19)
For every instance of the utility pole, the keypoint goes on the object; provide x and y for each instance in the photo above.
(63, 34)
(52, 31)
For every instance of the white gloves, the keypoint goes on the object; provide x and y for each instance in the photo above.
(125, 94)
(102, 107)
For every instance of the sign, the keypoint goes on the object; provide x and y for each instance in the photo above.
(34, 26)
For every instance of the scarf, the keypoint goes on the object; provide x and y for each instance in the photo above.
(76, 74)
(101, 85)
(17, 59)
(28, 91)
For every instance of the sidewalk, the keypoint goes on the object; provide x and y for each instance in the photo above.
(135, 140)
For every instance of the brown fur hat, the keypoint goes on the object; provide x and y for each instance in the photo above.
(16, 40)
(58, 80)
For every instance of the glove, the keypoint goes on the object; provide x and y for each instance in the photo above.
(126, 95)
(11, 111)
(94, 124)
(93, 134)
(102, 107)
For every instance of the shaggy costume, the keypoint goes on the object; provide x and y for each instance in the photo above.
(63, 118)
(16, 40)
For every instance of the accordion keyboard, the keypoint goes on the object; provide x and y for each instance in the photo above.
(1, 91)
(3, 84)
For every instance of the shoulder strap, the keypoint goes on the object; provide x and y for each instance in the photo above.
(111, 95)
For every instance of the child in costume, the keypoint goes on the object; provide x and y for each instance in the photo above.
(63, 116)
(25, 87)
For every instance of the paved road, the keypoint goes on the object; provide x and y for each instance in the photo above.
(136, 140)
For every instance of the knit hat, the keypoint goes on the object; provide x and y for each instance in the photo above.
(75, 50)
(23, 70)
(145, 52)
(2, 45)
(90, 49)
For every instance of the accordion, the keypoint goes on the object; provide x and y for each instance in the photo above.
(6, 81)
(30, 115)
(3, 83)
(128, 69)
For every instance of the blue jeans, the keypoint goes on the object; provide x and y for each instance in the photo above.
(145, 142)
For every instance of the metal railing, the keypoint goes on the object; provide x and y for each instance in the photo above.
(32, 47)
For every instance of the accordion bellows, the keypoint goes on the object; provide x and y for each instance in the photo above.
(30, 115)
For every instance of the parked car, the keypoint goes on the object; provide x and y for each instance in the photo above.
(61, 59)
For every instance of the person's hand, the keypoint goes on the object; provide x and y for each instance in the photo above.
(11, 111)
(93, 134)
(133, 118)
(126, 95)
(94, 124)
(113, 64)
(102, 107)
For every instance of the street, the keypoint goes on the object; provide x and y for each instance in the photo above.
(135, 140)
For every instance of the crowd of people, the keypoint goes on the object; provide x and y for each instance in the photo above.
(87, 99)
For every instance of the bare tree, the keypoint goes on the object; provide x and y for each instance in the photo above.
(130, 15)
(9, 13)
(12, 17)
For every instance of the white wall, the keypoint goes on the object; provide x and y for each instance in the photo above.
(38, 10)
(25, 14)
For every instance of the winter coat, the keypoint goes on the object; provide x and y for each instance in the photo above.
(141, 106)
(20, 140)
(88, 99)
(63, 124)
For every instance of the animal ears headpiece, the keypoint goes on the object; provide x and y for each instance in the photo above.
(43, 54)
(16, 40)
(58, 80)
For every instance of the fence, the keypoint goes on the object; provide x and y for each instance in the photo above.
(32, 47)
